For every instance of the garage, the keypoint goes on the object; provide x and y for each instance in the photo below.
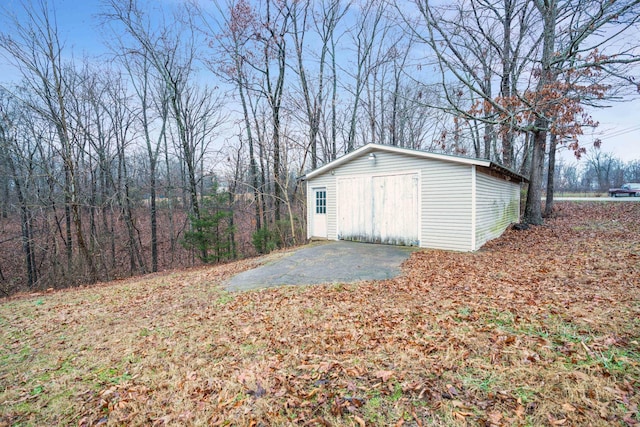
(379, 209)
(398, 196)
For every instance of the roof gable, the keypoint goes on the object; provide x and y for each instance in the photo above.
(369, 148)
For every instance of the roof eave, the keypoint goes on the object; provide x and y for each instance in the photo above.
(422, 154)
(340, 160)
(508, 173)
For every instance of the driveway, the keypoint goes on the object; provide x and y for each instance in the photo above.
(326, 262)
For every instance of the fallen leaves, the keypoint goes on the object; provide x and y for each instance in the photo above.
(540, 327)
(384, 375)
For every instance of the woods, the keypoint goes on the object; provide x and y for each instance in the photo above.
(186, 141)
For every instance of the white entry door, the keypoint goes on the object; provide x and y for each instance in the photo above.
(320, 212)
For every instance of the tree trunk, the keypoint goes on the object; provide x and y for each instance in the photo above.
(4, 177)
(253, 168)
(277, 191)
(68, 242)
(170, 199)
(505, 81)
(152, 153)
(25, 225)
(154, 217)
(533, 206)
(487, 140)
(27, 246)
(548, 206)
(334, 101)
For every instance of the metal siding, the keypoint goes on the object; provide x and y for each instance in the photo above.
(378, 148)
(446, 206)
(444, 196)
(385, 164)
(498, 205)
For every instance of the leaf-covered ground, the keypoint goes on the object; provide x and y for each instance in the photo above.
(540, 327)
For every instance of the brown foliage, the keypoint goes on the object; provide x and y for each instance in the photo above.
(50, 262)
(561, 101)
(540, 327)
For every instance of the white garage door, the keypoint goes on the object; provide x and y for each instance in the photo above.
(379, 209)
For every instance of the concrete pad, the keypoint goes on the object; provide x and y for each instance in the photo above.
(327, 262)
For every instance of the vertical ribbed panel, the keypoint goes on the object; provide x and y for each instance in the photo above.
(444, 200)
(498, 205)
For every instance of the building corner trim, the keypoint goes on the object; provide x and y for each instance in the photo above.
(473, 207)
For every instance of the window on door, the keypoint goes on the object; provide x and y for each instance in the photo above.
(321, 201)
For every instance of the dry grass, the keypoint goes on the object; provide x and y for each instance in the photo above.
(541, 327)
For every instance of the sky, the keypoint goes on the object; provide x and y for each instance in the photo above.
(619, 125)
(619, 130)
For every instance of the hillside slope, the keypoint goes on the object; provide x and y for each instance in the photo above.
(540, 327)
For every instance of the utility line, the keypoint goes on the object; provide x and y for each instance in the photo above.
(620, 132)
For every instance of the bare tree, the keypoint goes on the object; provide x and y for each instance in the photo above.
(481, 44)
(531, 101)
(33, 45)
(153, 99)
(232, 45)
(365, 36)
(19, 156)
(172, 53)
(326, 22)
(572, 32)
(255, 43)
(602, 167)
(312, 84)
